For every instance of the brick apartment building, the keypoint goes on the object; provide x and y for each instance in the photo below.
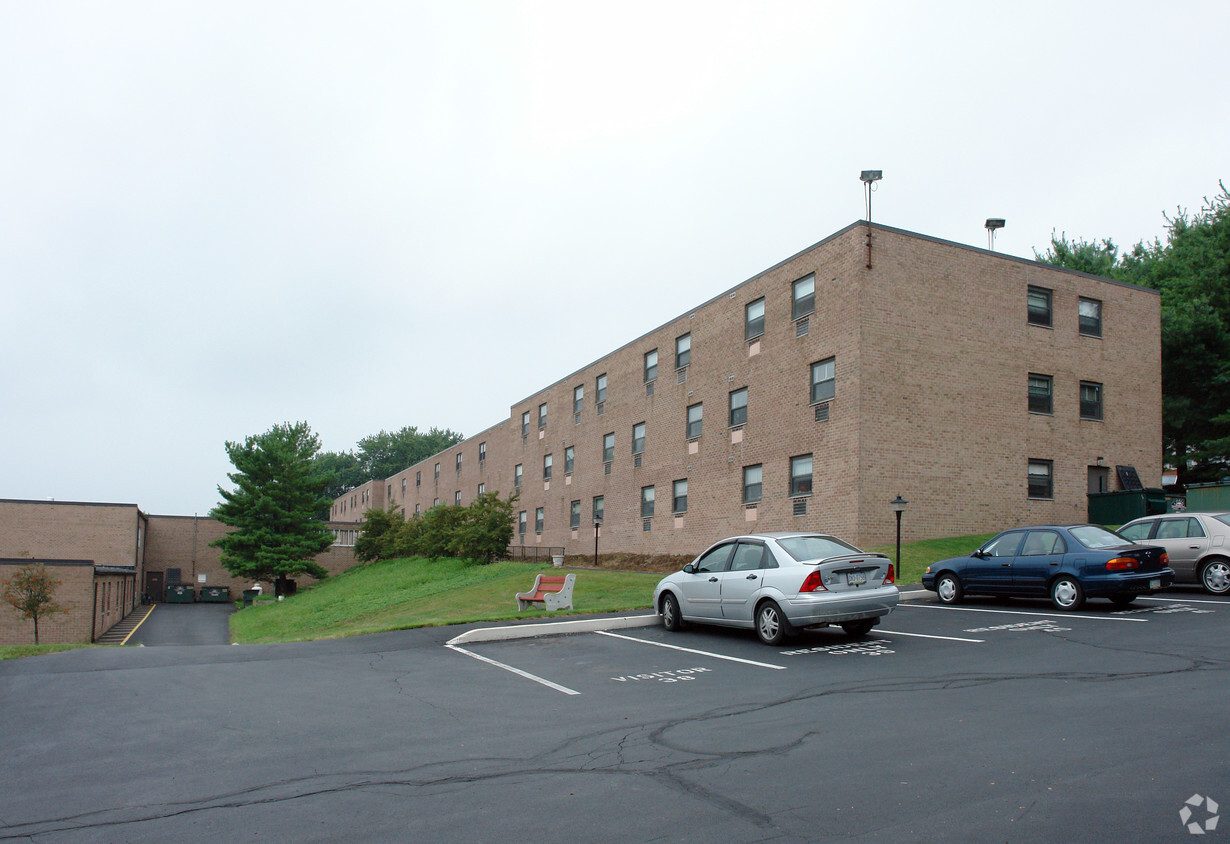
(987, 390)
(107, 556)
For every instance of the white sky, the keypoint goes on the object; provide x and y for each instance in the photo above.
(217, 216)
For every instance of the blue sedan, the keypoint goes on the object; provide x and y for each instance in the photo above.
(1066, 563)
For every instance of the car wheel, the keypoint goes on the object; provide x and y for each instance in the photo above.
(771, 624)
(672, 620)
(858, 628)
(1123, 600)
(949, 589)
(1215, 577)
(1066, 593)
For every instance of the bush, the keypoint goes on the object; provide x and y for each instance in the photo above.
(480, 531)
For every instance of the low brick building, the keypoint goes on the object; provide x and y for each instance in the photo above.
(987, 390)
(107, 557)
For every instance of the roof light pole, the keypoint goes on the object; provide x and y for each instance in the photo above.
(898, 505)
(993, 223)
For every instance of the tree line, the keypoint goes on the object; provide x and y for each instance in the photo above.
(1190, 269)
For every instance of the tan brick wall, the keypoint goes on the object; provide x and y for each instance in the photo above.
(351, 506)
(60, 530)
(93, 604)
(932, 357)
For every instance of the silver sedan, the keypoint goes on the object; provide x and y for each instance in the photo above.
(1198, 545)
(779, 583)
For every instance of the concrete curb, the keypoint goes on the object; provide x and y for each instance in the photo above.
(554, 628)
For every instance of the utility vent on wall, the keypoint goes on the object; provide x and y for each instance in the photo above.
(601, 407)
(822, 412)
(606, 468)
(800, 506)
(636, 460)
(801, 327)
(649, 389)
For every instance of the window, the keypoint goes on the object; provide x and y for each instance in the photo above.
(525, 424)
(403, 487)
(1091, 400)
(1039, 393)
(578, 398)
(457, 498)
(459, 463)
(418, 479)
(752, 476)
(482, 452)
(521, 521)
(517, 476)
(651, 366)
(538, 520)
(1043, 543)
(574, 515)
(600, 391)
(608, 447)
(546, 467)
(1040, 482)
(437, 478)
(1089, 315)
(754, 323)
(800, 475)
(683, 351)
(599, 506)
(482, 489)
(679, 503)
(696, 414)
(1137, 532)
(569, 459)
(638, 438)
(738, 407)
(804, 297)
(542, 416)
(646, 502)
(823, 380)
(1039, 301)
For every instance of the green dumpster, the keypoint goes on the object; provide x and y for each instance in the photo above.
(1121, 506)
(250, 596)
(1208, 498)
(180, 593)
(215, 595)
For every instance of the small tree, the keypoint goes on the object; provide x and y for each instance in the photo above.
(32, 591)
(486, 531)
(377, 536)
(279, 494)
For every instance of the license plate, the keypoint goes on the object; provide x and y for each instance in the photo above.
(856, 578)
(1155, 583)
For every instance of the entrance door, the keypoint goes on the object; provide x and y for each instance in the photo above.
(153, 585)
(1099, 479)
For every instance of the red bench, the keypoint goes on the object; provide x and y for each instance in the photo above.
(551, 591)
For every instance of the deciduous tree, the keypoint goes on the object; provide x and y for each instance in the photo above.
(31, 591)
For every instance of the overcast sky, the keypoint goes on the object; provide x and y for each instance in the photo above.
(218, 216)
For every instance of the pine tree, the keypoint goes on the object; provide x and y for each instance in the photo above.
(275, 506)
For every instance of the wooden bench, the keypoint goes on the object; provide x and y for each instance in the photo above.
(552, 591)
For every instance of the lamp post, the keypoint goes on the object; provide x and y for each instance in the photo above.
(898, 505)
(597, 524)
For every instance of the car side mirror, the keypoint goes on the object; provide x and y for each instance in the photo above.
(689, 569)
(980, 554)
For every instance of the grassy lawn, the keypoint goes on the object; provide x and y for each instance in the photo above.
(916, 556)
(16, 651)
(398, 594)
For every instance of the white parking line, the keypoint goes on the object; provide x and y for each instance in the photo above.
(691, 650)
(1062, 615)
(928, 636)
(516, 671)
(1180, 600)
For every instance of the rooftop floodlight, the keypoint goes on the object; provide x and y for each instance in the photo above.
(869, 178)
(993, 223)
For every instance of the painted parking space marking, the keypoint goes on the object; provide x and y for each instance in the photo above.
(931, 636)
(1042, 626)
(691, 650)
(1066, 616)
(527, 675)
(872, 648)
(1180, 600)
(675, 676)
(1165, 610)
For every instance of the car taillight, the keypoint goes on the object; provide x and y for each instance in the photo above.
(1121, 563)
(891, 577)
(1165, 561)
(814, 582)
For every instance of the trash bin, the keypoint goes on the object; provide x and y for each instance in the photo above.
(1121, 506)
(250, 596)
(215, 594)
(180, 593)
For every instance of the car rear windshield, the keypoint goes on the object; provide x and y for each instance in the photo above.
(815, 547)
(1096, 537)
(1223, 518)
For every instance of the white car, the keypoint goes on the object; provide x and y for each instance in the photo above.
(779, 583)
(1198, 545)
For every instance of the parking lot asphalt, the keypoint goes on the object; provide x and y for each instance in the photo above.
(989, 721)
